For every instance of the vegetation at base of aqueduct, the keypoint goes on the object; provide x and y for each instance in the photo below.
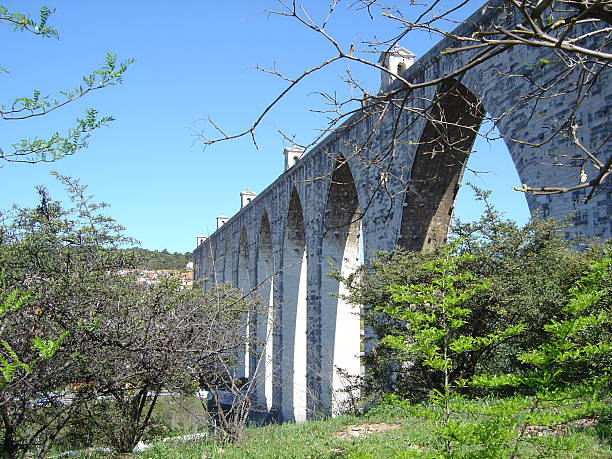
(496, 345)
(499, 345)
(388, 431)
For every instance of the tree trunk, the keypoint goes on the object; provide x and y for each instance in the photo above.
(9, 448)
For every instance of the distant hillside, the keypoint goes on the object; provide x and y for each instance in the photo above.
(155, 259)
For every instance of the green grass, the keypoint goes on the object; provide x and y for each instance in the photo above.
(563, 427)
(484, 428)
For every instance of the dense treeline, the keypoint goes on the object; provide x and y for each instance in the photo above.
(156, 259)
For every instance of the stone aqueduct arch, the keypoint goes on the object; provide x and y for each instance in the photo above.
(293, 227)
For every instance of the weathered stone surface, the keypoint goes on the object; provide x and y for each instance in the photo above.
(352, 186)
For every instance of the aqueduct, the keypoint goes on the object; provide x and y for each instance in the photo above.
(388, 177)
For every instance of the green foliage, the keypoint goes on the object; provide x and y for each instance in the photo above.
(46, 348)
(530, 272)
(578, 345)
(12, 300)
(10, 363)
(75, 320)
(155, 259)
(24, 22)
(33, 150)
(434, 315)
(516, 312)
(433, 311)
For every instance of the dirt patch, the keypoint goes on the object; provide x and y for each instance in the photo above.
(558, 429)
(361, 430)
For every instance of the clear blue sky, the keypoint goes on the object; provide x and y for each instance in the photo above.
(193, 59)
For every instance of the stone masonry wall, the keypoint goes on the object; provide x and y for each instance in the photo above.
(397, 203)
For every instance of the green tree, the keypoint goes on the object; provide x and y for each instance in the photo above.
(34, 149)
(577, 348)
(76, 324)
(61, 261)
(434, 315)
(531, 271)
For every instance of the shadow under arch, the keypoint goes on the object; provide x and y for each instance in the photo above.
(227, 260)
(207, 264)
(292, 345)
(244, 283)
(214, 264)
(443, 149)
(264, 323)
(199, 267)
(340, 331)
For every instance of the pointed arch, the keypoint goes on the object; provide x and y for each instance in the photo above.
(264, 323)
(214, 276)
(227, 259)
(206, 264)
(340, 322)
(444, 149)
(294, 314)
(244, 283)
(435, 177)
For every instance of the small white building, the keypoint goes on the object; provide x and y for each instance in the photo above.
(221, 220)
(245, 198)
(292, 155)
(396, 61)
(201, 239)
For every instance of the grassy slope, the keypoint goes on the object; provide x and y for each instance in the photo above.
(488, 427)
